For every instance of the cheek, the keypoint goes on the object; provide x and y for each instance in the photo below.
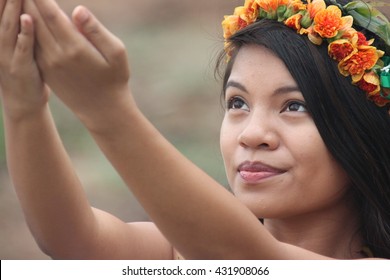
(317, 165)
(227, 145)
(224, 144)
(308, 146)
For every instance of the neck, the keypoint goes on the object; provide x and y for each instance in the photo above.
(332, 233)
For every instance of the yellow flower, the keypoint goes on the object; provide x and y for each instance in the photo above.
(328, 22)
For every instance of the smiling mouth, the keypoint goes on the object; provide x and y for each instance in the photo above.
(254, 172)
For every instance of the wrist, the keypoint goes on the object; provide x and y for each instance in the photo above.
(21, 114)
(110, 114)
(21, 105)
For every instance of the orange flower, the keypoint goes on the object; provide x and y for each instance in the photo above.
(351, 35)
(315, 6)
(340, 49)
(370, 83)
(251, 4)
(231, 25)
(270, 6)
(362, 40)
(313, 36)
(328, 22)
(357, 63)
(294, 21)
(242, 17)
(246, 14)
(297, 5)
(320, 23)
(379, 100)
(249, 12)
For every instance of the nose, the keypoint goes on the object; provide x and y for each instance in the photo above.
(259, 132)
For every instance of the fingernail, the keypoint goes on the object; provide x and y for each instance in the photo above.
(25, 20)
(82, 15)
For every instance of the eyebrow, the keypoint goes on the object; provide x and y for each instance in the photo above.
(281, 90)
(236, 85)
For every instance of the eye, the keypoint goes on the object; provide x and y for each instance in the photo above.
(237, 103)
(295, 106)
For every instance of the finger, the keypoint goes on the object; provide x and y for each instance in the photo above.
(9, 25)
(56, 21)
(42, 33)
(103, 40)
(24, 52)
(2, 5)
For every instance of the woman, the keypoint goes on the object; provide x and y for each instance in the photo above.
(296, 151)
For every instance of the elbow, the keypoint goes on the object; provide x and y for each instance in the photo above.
(54, 251)
(65, 250)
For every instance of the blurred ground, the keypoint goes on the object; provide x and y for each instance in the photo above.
(171, 45)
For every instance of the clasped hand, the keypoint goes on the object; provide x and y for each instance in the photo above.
(82, 62)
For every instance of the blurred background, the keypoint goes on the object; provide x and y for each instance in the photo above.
(172, 45)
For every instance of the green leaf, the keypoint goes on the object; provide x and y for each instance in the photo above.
(369, 18)
(384, 33)
(361, 8)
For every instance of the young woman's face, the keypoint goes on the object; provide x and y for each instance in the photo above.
(275, 159)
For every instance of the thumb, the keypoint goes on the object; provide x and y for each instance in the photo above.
(95, 32)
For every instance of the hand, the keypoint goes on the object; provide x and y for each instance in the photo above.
(84, 64)
(22, 89)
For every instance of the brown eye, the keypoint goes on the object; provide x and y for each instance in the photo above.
(295, 106)
(237, 103)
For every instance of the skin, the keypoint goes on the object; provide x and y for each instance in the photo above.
(189, 208)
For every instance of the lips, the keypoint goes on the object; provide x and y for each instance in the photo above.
(254, 172)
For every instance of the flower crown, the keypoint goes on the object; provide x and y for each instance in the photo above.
(368, 67)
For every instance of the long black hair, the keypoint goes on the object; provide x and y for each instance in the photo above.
(354, 129)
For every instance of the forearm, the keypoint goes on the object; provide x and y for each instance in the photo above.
(50, 193)
(194, 212)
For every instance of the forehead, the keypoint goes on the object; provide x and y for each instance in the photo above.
(259, 66)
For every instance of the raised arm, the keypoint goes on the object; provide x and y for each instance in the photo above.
(87, 68)
(90, 74)
(51, 195)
